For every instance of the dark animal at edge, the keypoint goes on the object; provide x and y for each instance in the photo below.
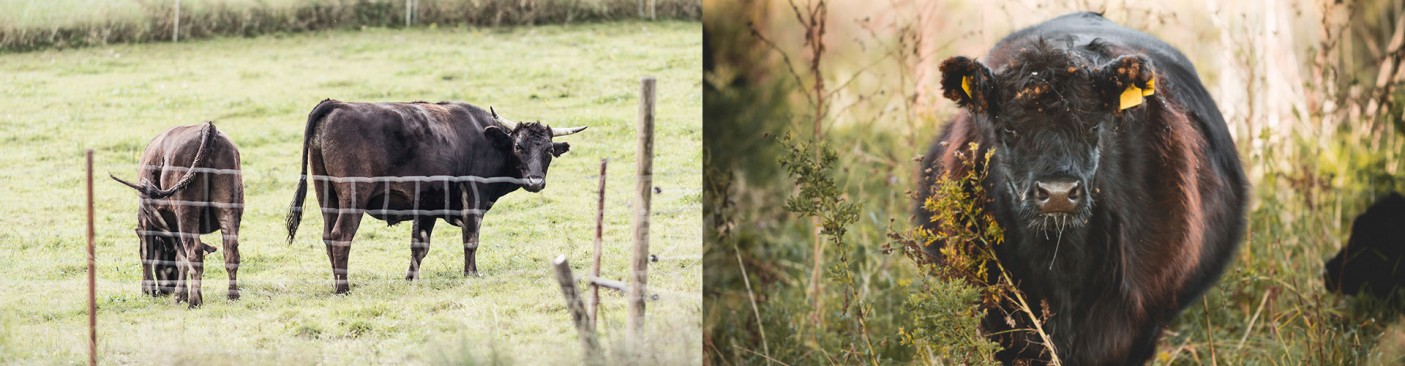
(170, 220)
(1373, 260)
(1114, 177)
(415, 140)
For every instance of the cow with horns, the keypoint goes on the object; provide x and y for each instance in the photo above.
(416, 162)
(189, 184)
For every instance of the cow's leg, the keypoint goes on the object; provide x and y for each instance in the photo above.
(419, 245)
(194, 265)
(343, 230)
(148, 255)
(229, 229)
(328, 203)
(470, 243)
(180, 268)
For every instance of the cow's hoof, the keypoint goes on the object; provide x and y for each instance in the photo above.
(233, 294)
(194, 305)
(342, 290)
(470, 273)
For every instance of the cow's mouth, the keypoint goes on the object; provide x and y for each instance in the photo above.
(1053, 226)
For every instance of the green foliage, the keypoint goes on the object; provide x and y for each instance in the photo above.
(945, 317)
(811, 164)
(33, 25)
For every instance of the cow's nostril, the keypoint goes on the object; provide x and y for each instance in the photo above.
(1057, 196)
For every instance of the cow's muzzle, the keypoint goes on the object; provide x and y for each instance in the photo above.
(534, 184)
(1057, 195)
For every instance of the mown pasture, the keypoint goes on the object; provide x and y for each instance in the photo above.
(113, 99)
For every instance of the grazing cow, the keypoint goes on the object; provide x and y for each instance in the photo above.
(198, 166)
(438, 140)
(1114, 177)
(1374, 258)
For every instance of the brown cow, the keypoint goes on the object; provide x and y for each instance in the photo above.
(190, 184)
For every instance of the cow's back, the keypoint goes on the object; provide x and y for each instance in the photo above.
(404, 139)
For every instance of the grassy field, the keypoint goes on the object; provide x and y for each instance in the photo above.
(1315, 161)
(259, 91)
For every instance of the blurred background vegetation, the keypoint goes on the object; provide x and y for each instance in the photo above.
(29, 25)
(1311, 90)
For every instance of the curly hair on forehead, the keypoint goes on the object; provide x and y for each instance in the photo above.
(533, 130)
(1044, 76)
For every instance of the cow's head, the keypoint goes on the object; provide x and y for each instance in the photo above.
(530, 146)
(1049, 112)
(1373, 259)
(158, 250)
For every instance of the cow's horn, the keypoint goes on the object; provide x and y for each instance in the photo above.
(511, 126)
(566, 131)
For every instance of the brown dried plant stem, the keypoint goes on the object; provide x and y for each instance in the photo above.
(1024, 306)
(1390, 64)
(760, 327)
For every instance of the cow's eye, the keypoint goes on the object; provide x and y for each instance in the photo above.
(1008, 132)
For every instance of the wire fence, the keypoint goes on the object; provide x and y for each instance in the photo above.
(384, 185)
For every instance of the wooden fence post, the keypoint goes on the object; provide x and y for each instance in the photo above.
(176, 30)
(644, 183)
(92, 277)
(599, 235)
(573, 305)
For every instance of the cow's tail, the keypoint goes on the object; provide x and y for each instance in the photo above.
(295, 210)
(149, 189)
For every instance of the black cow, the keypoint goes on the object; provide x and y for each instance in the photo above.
(1114, 177)
(441, 140)
(1373, 258)
(199, 166)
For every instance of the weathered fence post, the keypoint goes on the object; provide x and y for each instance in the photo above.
(92, 277)
(639, 276)
(573, 305)
(599, 235)
(176, 30)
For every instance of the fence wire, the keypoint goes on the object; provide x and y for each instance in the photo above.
(421, 185)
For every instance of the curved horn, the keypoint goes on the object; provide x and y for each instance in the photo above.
(555, 131)
(511, 126)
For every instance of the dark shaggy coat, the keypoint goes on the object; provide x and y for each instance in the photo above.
(1165, 193)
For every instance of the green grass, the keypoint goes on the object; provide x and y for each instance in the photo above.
(259, 90)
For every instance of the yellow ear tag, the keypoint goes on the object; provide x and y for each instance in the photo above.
(1132, 97)
(966, 85)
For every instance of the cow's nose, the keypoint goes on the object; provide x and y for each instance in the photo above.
(535, 184)
(1057, 196)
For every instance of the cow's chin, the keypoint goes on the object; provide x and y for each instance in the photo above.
(1053, 226)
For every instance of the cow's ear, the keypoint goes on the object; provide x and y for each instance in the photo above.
(498, 137)
(1125, 83)
(968, 83)
(558, 148)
